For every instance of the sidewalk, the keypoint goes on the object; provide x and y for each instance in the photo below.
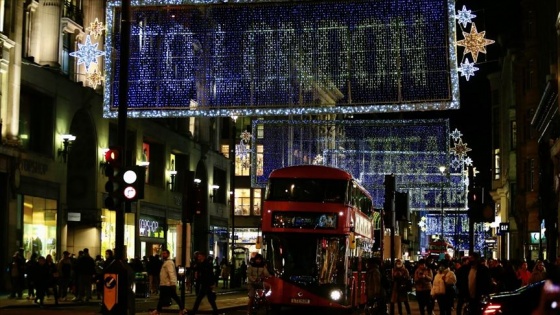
(227, 300)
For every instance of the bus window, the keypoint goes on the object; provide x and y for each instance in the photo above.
(309, 190)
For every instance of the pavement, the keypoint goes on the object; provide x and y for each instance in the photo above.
(227, 300)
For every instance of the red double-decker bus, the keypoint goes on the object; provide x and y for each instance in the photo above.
(316, 230)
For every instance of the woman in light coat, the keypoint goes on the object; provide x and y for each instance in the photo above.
(443, 288)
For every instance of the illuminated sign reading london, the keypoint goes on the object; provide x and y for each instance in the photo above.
(284, 58)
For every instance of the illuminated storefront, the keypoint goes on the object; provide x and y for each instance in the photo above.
(39, 226)
(108, 220)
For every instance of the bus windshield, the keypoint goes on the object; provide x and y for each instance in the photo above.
(307, 190)
(308, 261)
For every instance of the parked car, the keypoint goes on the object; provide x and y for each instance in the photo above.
(519, 302)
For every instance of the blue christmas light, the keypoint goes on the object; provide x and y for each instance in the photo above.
(303, 57)
(411, 149)
(87, 53)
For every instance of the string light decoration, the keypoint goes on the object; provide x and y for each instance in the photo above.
(474, 43)
(87, 53)
(412, 150)
(243, 151)
(288, 58)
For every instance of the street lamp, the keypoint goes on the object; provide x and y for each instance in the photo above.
(442, 169)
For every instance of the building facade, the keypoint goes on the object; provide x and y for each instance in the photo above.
(54, 139)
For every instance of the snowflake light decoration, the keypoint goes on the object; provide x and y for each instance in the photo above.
(474, 42)
(87, 53)
(468, 161)
(467, 69)
(456, 134)
(464, 16)
(96, 28)
(94, 78)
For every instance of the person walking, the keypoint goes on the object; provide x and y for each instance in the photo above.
(443, 288)
(205, 279)
(479, 283)
(85, 269)
(423, 278)
(538, 273)
(16, 271)
(256, 272)
(400, 287)
(375, 285)
(168, 284)
(462, 275)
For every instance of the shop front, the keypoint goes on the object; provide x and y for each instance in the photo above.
(151, 232)
(108, 224)
(39, 226)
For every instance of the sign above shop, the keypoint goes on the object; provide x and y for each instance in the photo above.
(74, 217)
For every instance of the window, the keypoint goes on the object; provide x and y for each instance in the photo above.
(36, 122)
(257, 202)
(154, 153)
(242, 201)
(219, 179)
(497, 169)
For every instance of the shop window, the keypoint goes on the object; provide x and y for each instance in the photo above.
(39, 226)
(36, 123)
(108, 224)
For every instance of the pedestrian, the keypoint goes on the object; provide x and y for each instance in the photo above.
(538, 273)
(400, 287)
(16, 270)
(256, 272)
(168, 284)
(375, 285)
(53, 277)
(225, 274)
(423, 278)
(65, 274)
(479, 283)
(523, 274)
(243, 272)
(462, 285)
(85, 268)
(30, 266)
(99, 263)
(443, 288)
(217, 270)
(43, 280)
(205, 280)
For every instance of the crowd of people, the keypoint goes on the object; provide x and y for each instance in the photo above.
(451, 283)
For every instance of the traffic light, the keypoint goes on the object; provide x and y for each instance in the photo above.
(132, 183)
(475, 204)
(402, 206)
(113, 163)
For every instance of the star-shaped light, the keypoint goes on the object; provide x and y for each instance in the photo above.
(456, 135)
(94, 78)
(468, 161)
(464, 16)
(474, 42)
(96, 28)
(467, 69)
(87, 53)
(460, 149)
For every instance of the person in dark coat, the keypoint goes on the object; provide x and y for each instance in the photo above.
(206, 281)
(375, 285)
(463, 283)
(16, 270)
(43, 280)
(85, 269)
(479, 283)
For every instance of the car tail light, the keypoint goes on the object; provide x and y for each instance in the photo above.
(491, 309)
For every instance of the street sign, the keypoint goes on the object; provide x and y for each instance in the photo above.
(110, 290)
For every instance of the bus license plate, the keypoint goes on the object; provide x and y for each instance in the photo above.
(300, 301)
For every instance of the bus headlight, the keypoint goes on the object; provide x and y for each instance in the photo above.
(336, 294)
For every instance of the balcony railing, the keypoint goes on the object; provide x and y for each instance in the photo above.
(71, 11)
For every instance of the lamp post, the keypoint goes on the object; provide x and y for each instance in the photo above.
(442, 169)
